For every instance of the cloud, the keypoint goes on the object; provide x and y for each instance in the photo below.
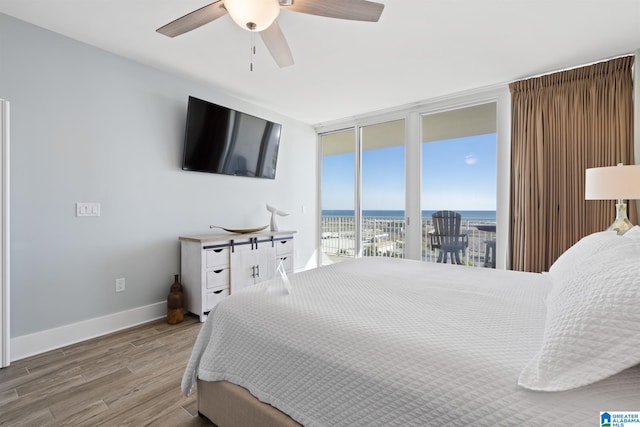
(471, 159)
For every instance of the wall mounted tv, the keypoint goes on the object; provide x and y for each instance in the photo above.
(222, 140)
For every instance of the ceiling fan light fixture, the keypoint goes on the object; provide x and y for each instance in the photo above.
(253, 15)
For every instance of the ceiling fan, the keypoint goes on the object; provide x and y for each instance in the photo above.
(260, 16)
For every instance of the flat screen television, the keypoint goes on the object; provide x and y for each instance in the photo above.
(222, 140)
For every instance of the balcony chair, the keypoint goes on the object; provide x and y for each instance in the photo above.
(447, 237)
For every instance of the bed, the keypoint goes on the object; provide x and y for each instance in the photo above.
(389, 342)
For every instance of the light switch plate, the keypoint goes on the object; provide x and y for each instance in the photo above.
(88, 209)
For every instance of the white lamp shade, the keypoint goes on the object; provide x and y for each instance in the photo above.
(613, 183)
(262, 13)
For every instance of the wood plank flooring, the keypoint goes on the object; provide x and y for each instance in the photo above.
(128, 378)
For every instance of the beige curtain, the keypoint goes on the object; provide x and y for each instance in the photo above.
(562, 124)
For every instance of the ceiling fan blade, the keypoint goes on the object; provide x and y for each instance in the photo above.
(277, 45)
(193, 20)
(355, 10)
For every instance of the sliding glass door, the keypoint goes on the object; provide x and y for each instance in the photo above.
(363, 181)
(383, 189)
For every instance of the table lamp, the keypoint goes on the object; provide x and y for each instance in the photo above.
(619, 183)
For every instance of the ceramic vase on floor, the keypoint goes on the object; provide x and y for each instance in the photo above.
(175, 303)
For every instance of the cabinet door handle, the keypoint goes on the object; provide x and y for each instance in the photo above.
(218, 271)
(217, 292)
(253, 271)
(217, 250)
(258, 269)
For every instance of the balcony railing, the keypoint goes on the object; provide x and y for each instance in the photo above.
(385, 236)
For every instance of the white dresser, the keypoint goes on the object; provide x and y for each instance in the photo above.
(216, 265)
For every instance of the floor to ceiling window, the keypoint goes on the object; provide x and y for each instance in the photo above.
(383, 179)
(338, 220)
(459, 175)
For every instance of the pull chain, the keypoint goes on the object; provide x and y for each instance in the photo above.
(253, 49)
(251, 26)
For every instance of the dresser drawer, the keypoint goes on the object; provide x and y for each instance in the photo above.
(218, 257)
(215, 297)
(284, 247)
(287, 262)
(218, 278)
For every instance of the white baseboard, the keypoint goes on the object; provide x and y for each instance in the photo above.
(50, 339)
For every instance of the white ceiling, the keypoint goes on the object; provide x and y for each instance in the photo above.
(419, 50)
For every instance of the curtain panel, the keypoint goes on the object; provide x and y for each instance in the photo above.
(562, 124)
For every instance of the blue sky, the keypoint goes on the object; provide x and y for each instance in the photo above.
(457, 174)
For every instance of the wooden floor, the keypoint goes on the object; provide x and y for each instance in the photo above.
(131, 378)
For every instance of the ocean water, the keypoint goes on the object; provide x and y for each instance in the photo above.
(400, 213)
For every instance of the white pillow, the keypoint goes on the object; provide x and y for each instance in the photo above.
(633, 233)
(593, 322)
(588, 245)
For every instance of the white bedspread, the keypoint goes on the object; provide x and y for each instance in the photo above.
(385, 342)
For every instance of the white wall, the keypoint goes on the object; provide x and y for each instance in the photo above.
(89, 126)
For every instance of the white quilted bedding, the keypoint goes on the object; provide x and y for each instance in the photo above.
(386, 342)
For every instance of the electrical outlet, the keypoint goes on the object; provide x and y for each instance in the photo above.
(120, 285)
